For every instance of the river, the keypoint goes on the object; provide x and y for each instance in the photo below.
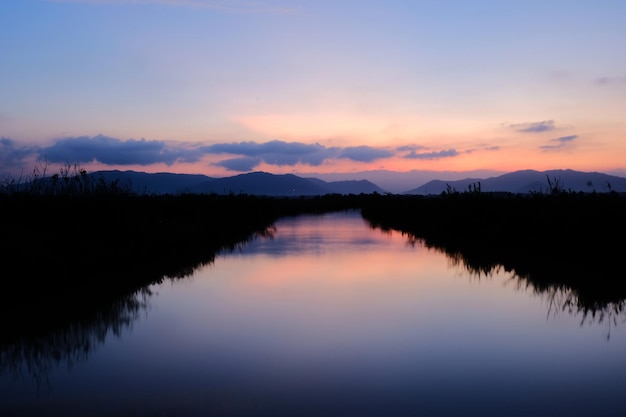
(326, 316)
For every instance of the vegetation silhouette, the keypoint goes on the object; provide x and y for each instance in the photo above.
(567, 247)
(67, 232)
(79, 257)
(80, 254)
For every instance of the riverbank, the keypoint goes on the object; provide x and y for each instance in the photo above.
(78, 267)
(100, 243)
(51, 244)
(570, 240)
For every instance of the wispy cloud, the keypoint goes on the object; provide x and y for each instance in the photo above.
(532, 127)
(566, 138)
(406, 148)
(559, 143)
(432, 155)
(604, 81)
(231, 6)
(485, 148)
(424, 153)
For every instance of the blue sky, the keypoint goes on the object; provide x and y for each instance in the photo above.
(400, 85)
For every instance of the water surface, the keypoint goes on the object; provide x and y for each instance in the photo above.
(327, 316)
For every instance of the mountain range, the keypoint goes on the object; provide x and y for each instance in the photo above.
(254, 183)
(526, 181)
(263, 183)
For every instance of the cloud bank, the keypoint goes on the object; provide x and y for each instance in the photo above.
(113, 151)
(235, 156)
(276, 152)
(282, 153)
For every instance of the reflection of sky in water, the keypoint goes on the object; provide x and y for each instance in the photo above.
(317, 235)
(351, 322)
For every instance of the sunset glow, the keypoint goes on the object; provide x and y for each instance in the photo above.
(294, 86)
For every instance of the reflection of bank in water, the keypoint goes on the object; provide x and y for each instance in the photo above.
(563, 243)
(65, 327)
(582, 287)
(64, 332)
(564, 300)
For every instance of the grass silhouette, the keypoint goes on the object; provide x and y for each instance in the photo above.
(94, 248)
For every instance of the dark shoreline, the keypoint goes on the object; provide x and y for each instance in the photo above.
(65, 242)
(78, 267)
(76, 244)
(570, 240)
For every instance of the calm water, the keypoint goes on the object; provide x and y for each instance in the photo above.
(328, 317)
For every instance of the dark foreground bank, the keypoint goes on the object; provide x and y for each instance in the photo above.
(572, 240)
(55, 245)
(76, 268)
(52, 244)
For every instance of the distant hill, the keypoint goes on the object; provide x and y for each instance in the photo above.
(530, 181)
(254, 183)
(263, 183)
(397, 182)
(158, 183)
(348, 186)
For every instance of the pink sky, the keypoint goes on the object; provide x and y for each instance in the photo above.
(290, 86)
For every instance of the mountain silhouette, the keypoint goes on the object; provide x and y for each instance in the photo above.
(263, 183)
(254, 183)
(158, 183)
(527, 181)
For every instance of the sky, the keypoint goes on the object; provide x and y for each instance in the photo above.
(222, 87)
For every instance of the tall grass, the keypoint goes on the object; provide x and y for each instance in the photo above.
(68, 180)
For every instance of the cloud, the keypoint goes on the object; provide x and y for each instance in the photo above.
(113, 151)
(432, 155)
(244, 164)
(565, 138)
(276, 152)
(231, 6)
(364, 153)
(10, 154)
(561, 142)
(290, 153)
(410, 148)
(484, 148)
(13, 158)
(236, 156)
(532, 127)
(610, 80)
